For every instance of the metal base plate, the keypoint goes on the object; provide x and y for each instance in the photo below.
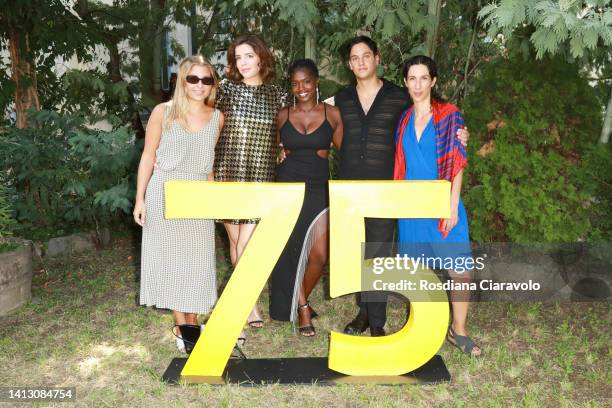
(304, 370)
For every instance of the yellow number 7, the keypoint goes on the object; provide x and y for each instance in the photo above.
(278, 205)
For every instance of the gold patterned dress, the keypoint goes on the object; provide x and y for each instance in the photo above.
(247, 149)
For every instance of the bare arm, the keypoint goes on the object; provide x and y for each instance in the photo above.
(281, 118)
(145, 168)
(338, 127)
(450, 223)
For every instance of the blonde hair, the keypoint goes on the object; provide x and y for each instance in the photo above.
(180, 103)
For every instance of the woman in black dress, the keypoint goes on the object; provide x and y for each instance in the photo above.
(306, 131)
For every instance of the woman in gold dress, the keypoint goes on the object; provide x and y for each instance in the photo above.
(247, 148)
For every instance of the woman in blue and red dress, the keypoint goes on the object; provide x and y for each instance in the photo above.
(426, 149)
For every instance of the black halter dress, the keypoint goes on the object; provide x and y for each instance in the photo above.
(302, 164)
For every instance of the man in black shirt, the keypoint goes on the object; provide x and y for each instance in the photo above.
(370, 112)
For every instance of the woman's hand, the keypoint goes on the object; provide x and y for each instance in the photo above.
(449, 223)
(139, 212)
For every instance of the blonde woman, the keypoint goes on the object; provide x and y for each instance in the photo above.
(178, 256)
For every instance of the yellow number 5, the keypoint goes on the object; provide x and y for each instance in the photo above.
(421, 337)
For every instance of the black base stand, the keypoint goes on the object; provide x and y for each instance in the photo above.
(305, 370)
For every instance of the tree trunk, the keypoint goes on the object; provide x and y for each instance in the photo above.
(433, 10)
(114, 71)
(607, 125)
(468, 58)
(114, 62)
(23, 73)
(157, 33)
(310, 44)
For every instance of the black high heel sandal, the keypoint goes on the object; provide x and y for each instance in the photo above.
(313, 314)
(309, 330)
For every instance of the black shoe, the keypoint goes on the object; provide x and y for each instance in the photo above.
(377, 331)
(357, 326)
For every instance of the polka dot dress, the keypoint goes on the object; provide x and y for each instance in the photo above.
(178, 256)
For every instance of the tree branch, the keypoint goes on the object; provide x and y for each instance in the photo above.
(459, 87)
(469, 56)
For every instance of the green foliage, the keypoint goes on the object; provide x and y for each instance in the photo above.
(595, 174)
(578, 26)
(538, 120)
(7, 223)
(398, 26)
(66, 174)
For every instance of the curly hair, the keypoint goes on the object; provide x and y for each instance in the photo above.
(266, 59)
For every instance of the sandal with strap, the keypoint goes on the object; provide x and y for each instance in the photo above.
(308, 330)
(255, 324)
(180, 345)
(313, 314)
(241, 339)
(463, 343)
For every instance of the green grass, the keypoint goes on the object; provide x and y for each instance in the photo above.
(85, 329)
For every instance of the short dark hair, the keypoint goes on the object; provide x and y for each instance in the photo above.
(305, 64)
(358, 40)
(266, 59)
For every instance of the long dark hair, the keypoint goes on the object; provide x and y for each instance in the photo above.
(431, 67)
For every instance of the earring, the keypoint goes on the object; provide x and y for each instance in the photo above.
(317, 95)
(293, 101)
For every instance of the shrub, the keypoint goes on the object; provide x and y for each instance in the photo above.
(532, 123)
(66, 175)
(7, 223)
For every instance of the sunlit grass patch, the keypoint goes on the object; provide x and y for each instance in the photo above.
(85, 329)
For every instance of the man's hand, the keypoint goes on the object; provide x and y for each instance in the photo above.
(463, 135)
(282, 154)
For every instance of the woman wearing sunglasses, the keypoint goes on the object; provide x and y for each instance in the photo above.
(247, 146)
(178, 256)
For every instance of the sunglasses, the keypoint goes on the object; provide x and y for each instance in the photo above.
(194, 79)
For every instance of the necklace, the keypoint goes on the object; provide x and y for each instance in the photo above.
(421, 116)
(307, 110)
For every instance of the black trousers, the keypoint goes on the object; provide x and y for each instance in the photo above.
(379, 243)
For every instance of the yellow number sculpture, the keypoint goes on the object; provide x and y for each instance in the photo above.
(278, 206)
(423, 334)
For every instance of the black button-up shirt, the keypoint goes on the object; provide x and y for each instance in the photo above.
(368, 145)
